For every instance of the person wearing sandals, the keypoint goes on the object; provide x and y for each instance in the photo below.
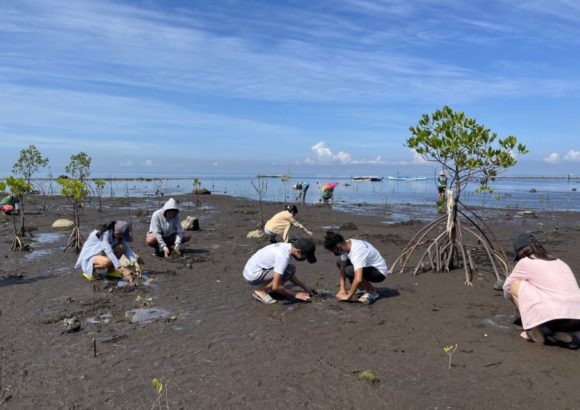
(165, 231)
(105, 248)
(546, 293)
(361, 263)
(281, 223)
(270, 268)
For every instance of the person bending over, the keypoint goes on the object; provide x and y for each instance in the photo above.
(270, 268)
(104, 248)
(544, 290)
(360, 262)
(281, 223)
(165, 231)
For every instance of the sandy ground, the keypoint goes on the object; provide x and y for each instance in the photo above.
(218, 348)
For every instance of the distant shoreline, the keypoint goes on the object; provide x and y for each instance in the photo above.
(151, 179)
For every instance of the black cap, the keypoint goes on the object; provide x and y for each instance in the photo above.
(522, 240)
(307, 247)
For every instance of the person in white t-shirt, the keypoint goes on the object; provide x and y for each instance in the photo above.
(361, 263)
(270, 268)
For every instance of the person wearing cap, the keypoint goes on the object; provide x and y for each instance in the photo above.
(165, 231)
(281, 223)
(270, 268)
(104, 250)
(545, 291)
(361, 263)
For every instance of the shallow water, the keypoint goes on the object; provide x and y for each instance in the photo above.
(39, 248)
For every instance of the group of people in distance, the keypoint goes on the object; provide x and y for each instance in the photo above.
(270, 267)
(107, 248)
(542, 287)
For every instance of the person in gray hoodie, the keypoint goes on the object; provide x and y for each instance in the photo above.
(165, 231)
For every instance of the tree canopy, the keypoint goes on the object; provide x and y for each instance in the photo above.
(29, 161)
(467, 150)
(79, 166)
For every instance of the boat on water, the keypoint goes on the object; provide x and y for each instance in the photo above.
(368, 178)
(280, 176)
(407, 179)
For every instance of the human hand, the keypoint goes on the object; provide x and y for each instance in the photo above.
(343, 298)
(166, 252)
(138, 271)
(302, 296)
(127, 274)
(177, 249)
(309, 233)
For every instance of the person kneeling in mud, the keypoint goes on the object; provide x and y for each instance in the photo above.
(360, 262)
(270, 268)
(105, 248)
(544, 290)
(165, 231)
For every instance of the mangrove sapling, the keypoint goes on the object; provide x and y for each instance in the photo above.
(260, 186)
(79, 166)
(162, 400)
(450, 350)
(467, 152)
(75, 191)
(18, 188)
(29, 161)
(99, 187)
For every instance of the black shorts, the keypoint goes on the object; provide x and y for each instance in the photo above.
(370, 273)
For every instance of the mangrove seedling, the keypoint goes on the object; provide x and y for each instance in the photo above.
(75, 191)
(196, 189)
(450, 350)
(161, 401)
(18, 188)
(99, 187)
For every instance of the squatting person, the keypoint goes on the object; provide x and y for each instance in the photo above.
(165, 231)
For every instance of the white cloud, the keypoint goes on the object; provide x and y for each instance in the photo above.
(553, 158)
(308, 161)
(326, 156)
(147, 163)
(128, 163)
(572, 155)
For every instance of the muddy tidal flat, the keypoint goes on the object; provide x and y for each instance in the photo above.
(66, 343)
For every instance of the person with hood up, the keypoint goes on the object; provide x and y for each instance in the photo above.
(165, 231)
(104, 249)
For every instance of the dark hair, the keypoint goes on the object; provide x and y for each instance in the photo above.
(104, 228)
(536, 250)
(291, 208)
(332, 239)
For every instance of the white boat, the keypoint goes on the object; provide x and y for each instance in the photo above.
(368, 178)
(407, 179)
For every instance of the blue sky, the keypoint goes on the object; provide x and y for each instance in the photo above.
(197, 87)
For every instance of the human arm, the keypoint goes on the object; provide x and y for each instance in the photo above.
(358, 277)
(178, 231)
(300, 226)
(278, 287)
(301, 284)
(341, 280)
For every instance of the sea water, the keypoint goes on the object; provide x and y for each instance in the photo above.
(519, 193)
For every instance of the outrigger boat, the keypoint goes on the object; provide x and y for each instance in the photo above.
(368, 178)
(407, 179)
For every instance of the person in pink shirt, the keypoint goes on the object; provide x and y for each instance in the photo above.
(545, 291)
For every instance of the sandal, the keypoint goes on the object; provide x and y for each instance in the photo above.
(563, 339)
(266, 299)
